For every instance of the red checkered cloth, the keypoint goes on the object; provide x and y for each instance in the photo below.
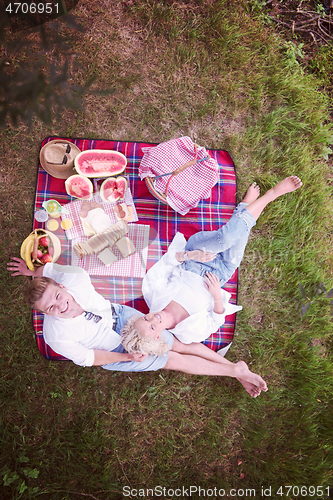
(164, 222)
(171, 155)
(73, 209)
(134, 266)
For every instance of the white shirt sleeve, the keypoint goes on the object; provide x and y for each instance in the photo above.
(57, 338)
(67, 275)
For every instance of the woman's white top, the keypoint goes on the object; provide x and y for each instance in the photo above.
(167, 281)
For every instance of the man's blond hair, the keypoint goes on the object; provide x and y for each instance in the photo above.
(134, 343)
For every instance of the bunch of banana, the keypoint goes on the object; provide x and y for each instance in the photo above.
(29, 249)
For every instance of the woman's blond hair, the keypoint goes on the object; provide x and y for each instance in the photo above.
(134, 343)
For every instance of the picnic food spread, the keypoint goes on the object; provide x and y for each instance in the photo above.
(94, 219)
(62, 159)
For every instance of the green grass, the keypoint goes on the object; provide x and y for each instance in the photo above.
(215, 72)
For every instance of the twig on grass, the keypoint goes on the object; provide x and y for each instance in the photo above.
(68, 491)
(313, 37)
(323, 30)
(323, 34)
(122, 468)
(319, 26)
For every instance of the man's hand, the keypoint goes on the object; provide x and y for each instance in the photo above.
(106, 357)
(20, 267)
(137, 357)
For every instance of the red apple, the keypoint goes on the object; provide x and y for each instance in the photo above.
(44, 241)
(46, 258)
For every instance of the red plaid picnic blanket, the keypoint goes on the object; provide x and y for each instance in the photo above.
(164, 222)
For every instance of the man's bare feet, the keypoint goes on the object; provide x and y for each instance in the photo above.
(252, 193)
(287, 185)
(250, 380)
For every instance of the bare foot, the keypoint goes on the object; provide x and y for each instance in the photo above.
(245, 375)
(287, 185)
(252, 389)
(252, 193)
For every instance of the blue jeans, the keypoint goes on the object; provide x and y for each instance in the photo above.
(228, 243)
(151, 363)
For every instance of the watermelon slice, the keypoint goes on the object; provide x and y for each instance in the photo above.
(100, 163)
(113, 189)
(79, 186)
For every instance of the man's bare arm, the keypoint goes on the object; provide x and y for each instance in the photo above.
(20, 268)
(106, 357)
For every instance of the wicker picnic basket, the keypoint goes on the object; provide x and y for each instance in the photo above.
(163, 196)
(150, 180)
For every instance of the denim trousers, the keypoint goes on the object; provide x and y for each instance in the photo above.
(228, 243)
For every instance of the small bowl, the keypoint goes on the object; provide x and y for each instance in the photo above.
(41, 216)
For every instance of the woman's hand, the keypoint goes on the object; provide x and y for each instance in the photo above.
(201, 255)
(212, 283)
(198, 255)
(19, 266)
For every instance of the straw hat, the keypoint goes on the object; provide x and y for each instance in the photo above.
(57, 158)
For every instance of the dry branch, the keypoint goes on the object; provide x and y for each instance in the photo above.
(311, 23)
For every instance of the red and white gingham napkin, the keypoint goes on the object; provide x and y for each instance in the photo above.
(133, 266)
(74, 208)
(187, 188)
